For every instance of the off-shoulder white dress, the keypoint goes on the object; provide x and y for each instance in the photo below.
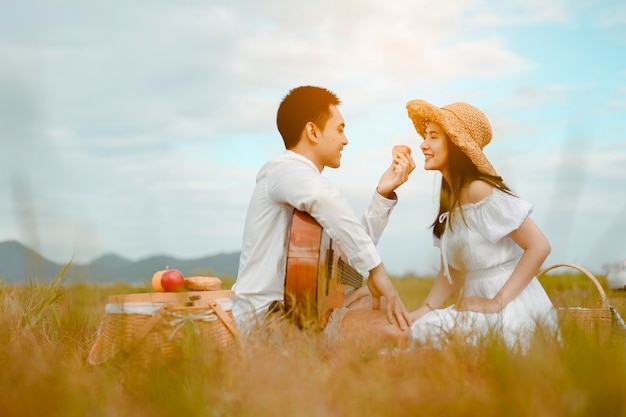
(484, 253)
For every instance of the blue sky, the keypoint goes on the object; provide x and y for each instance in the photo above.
(138, 128)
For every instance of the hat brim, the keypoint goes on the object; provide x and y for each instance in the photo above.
(421, 113)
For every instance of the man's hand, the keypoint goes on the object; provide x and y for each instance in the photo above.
(479, 304)
(381, 286)
(396, 175)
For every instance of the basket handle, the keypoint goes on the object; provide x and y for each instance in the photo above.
(147, 327)
(95, 354)
(225, 319)
(603, 297)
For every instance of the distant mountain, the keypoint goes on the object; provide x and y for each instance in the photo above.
(18, 263)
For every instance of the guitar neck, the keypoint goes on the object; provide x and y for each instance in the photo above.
(348, 275)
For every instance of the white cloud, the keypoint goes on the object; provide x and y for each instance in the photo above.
(530, 97)
(398, 43)
(185, 70)
(617, 104)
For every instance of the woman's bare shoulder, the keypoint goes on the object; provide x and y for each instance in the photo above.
(476, 191)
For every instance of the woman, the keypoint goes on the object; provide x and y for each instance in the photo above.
(490, 248)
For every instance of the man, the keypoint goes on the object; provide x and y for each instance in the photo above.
(312, 129)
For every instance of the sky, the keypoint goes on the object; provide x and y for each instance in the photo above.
(137, 128)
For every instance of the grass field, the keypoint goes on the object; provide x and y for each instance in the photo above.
(47, 330)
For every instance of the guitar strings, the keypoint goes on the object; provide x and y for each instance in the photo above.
(348, 275)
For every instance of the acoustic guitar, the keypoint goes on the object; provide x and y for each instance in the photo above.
(317, 274)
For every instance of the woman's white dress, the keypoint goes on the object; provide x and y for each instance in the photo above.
(481, 249)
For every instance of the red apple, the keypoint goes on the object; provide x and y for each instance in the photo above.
(172, 280)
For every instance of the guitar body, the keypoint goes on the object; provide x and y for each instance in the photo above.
(316, 275)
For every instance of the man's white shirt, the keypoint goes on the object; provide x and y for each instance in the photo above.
(292, 181)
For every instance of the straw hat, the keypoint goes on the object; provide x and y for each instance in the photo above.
(466, 126)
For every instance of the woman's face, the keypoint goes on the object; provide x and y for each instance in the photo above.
(435, 148)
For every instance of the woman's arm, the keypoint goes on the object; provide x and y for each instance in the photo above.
(536, 249)
(438, 294)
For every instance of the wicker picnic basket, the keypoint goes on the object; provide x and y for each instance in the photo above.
(156, 324)
(602, 320)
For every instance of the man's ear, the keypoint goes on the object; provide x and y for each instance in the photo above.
(311, 132)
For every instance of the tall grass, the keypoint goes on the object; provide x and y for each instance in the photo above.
(46, 331)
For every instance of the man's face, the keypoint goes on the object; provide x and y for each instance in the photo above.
(332, 140)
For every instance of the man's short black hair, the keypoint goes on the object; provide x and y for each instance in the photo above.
(300, 106)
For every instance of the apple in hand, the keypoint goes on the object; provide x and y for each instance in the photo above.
(172, 280)
(403, 149)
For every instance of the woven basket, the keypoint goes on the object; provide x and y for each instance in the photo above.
(157, 324)
(602, 320)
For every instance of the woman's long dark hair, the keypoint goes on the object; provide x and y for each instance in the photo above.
(462, 172)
